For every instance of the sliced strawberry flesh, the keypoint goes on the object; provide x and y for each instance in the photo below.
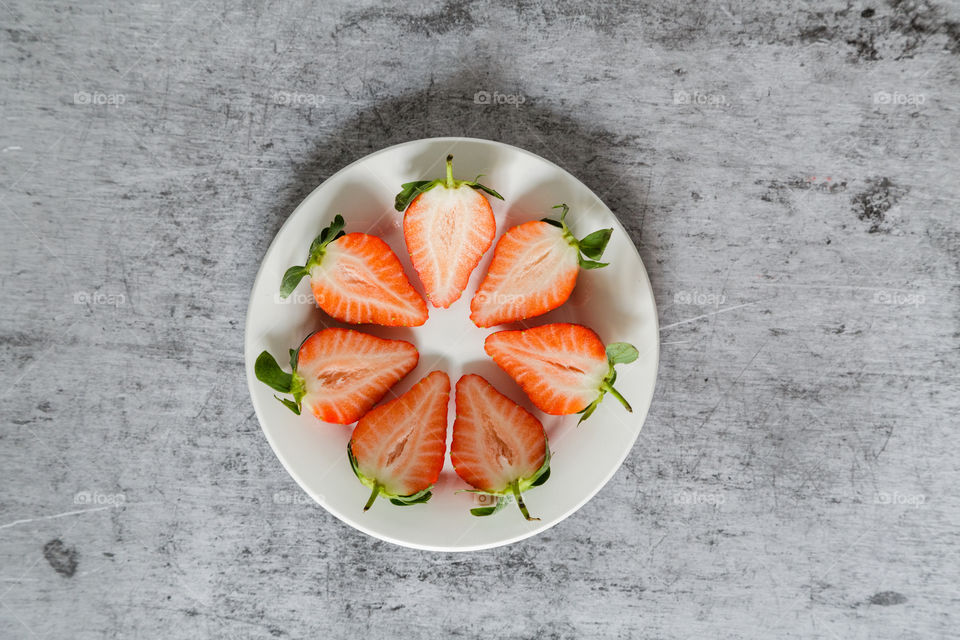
(346, 372)
(534, 270)
(495, 441)
(447, 231)
(400, 445)
(361, 280)
(560, 366)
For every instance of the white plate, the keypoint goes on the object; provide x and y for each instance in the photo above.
(616, 302)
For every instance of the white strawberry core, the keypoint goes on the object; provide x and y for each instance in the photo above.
(353, 279)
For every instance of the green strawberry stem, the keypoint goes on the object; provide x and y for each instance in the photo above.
(410, 190)
(606, 386)
(591, 246)
(515, 485)
(449, 184)
(373, 495)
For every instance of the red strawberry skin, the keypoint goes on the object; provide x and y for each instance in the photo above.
(401, 443)
(495, 441)
(447, 230)
(534, 270)
(346, 372)
(360, 280)
(560, 366)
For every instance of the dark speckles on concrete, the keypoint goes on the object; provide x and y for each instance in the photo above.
(62, 558)
(807, 183)
(780, 190)
(919, 21)
(900, 29)
(865, 48)
(816, 32)
(451, 16)
(872, 204)
(887, 598)
(892, 30)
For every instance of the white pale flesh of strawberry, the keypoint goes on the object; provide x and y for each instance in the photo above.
(354, 280)
(534, 271)
(389, 466)
(504, 453)
(453, 232)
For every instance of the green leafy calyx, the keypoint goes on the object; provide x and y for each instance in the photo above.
(269, 372)
(410, 190)
(515, 490)
(318, 248)
(590, 248)
(617, 353)
(377, 489)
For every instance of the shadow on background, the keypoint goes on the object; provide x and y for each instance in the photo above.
(607, 162)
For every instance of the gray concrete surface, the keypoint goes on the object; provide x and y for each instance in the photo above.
(787, 170)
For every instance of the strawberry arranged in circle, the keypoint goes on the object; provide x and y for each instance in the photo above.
(357, 278)
(448, 225)
(397, 449)
(534, 270)
(338, 374)
(564, 368)
(498, 447)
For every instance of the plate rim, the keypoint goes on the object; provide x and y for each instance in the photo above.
(648, 401)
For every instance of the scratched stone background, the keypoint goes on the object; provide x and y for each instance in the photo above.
(788, 172)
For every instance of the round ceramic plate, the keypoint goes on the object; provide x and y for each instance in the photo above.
(616, 302)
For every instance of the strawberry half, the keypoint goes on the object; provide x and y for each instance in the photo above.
(448, 226)
(563, 368)
(534, 270)
(498, 447)
(338, 374)
(357, 278)
(397, 449)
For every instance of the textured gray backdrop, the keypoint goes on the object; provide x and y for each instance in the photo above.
(789, 172)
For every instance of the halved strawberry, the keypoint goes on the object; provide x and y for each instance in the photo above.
(397, 449)
(498, 447)
(448, 226)
(534, 270)
(357, 278)
(564, 368)
(338, 374)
